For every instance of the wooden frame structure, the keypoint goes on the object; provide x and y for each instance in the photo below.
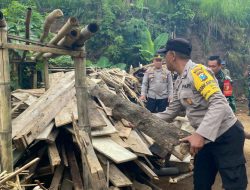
(56, 47)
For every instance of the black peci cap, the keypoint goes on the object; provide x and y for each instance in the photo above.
(179, 45)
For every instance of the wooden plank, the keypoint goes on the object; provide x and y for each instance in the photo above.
(93, 170)
(105, 130)
(115, 137)
(64, 117)
(27, 126)
(74, 168)
(112, 150)
(117, 178)
(46, 132)
(146, 170)
(54, 156)
(64, 156)
(57, 178)
(52, 136)
(123, 131)
(54, 78)
(135, 142)
(67, 184)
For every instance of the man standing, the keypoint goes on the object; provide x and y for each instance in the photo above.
(225, 82)
(217, 143)
(157, 86)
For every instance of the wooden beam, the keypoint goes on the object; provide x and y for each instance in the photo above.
(37, 48)
(74, 168)
(6, 155)
(53, 155)
(57, 178)
(92, 169)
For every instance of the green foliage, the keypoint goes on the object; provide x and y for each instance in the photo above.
(15, 14)
(103, 62)
(62, 61)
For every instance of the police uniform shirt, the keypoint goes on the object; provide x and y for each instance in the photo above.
(206, 107)
(157, 83)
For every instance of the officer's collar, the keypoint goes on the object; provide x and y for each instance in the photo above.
(186, 69)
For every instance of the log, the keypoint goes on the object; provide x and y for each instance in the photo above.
(50, 19)
(6, 157)
(165, 134)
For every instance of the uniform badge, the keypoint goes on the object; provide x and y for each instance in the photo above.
(202, 76)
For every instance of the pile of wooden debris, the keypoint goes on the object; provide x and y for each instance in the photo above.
(44, 128)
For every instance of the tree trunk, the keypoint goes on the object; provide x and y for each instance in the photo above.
(165, 134)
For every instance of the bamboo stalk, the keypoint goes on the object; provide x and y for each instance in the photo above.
(6, 156)
(85, 34)
(19, 170)
(50, 19)
(66, 42)
(72, 22)
(27, 29)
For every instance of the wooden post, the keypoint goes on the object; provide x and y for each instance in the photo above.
(82, 103)
(81, 92)
(34, 78)
(6, 157)
(46, 74)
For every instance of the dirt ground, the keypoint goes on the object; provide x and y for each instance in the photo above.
(242, 115)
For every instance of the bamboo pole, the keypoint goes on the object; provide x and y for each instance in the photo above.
(27, 30)
(82, 104)
(81, 92)
(85, 34)
(6, 157)
(50, 19)
(72, 22)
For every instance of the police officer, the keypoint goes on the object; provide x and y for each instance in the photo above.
(217, 143)
(224, 80)
(157, 86)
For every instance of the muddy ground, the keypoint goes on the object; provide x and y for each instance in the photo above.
(187, 184)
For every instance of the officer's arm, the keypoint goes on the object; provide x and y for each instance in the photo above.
(206, 85)
(144, 88)
(170, 84)
(172, 111)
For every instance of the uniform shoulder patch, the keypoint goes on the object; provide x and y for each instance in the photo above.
(204, 81)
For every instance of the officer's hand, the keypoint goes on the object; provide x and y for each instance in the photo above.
(143, 98)
(170, 99)
(196, 142)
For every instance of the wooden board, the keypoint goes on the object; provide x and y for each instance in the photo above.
(135, 142)
(150, 173)
(112, 150)
(54, 78)
(54, 156)
(117, 178)
(65, 116)
(123, 131)
(110, 129)
(45, 133)
(115, 137)
(27, 126)
(57, 178)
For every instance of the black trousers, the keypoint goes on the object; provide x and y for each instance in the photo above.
(225, 156)
(157, 105)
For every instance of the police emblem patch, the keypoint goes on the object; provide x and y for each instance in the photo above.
(202, 76)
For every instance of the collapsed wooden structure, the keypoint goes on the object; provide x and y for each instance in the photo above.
(49, 124)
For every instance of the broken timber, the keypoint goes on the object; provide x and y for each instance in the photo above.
(165, 134)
